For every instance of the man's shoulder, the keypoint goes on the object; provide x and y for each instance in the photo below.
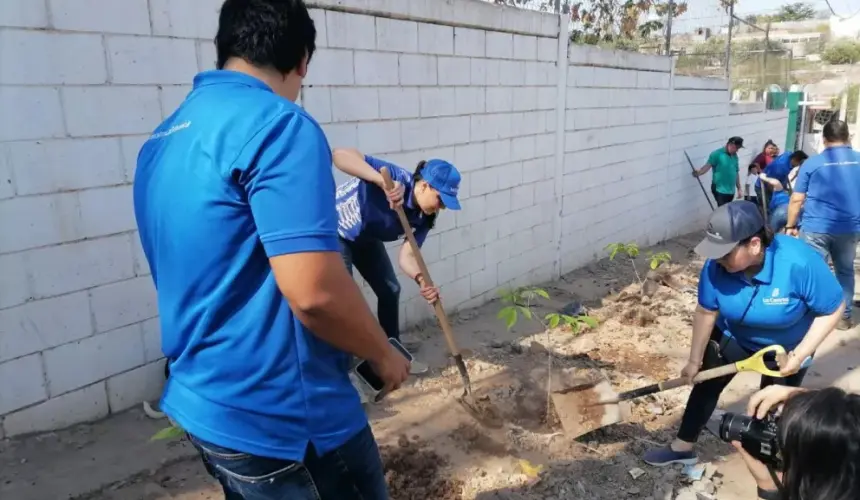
(247, 112)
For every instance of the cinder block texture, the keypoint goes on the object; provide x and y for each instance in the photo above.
(558, 159)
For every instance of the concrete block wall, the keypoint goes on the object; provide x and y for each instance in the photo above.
(82, 84)
(563, 149)
(481, 96)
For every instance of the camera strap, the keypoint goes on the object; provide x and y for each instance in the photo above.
(778, 493)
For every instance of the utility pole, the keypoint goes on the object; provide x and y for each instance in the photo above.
(766, 49)
(729, 44)
(669, 16)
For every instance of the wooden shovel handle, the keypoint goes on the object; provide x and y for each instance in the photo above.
(674, 383)
(422, 266)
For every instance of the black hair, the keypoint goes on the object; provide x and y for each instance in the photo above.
(800, 156)
(266, 33)
(768, 143)
(820, 440)
(416, 176)
(764, 234)
(836, 131)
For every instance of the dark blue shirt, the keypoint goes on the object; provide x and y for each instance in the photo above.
(235, 176)
(778, 304)
(778, 169)
(831, 182)
(363, 209)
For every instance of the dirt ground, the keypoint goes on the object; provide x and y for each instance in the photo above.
(434, 449)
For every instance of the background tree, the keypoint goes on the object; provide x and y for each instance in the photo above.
(798, 11)
(618, 23)
(842, 52)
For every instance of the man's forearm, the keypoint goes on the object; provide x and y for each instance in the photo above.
(324, 297)
(794, 206)
(345, 321)
(821, 327)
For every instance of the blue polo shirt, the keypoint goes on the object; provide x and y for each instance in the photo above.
(793, 287)
(831, 182)
(778, 169)
(235, 176)
(778, 199)
(363, 209)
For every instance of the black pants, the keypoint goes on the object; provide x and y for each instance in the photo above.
(721, 198)
(704, 396)
(371, 259)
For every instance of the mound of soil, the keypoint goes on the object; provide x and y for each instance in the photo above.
(414, 472)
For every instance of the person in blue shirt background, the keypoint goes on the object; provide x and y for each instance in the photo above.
(755, 290)
(828, 192)
(779, 191)
(235, 201)
(366, 220)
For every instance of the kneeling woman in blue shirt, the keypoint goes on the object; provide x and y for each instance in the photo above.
(755, 290)
(366, 220)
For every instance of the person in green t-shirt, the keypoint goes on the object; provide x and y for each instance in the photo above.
(725, 183)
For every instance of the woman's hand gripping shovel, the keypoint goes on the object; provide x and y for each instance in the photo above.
(466, 399)
(587, 407)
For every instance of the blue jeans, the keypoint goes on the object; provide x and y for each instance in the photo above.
(371, 260)
(842, 249)
(778, 218)
(353, 471)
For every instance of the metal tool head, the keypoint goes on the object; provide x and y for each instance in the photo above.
(588, 407)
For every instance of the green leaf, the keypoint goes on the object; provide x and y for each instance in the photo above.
(568, 319)
(171, 432)
(526, 312)
(654, 264)
(588, 320)
(553, 319)
(541, 292)
(613, 253)
(509, 316)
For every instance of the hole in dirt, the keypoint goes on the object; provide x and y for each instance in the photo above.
(414, 472)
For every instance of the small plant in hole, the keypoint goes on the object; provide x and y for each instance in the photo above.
(630, 249)
(656, 259)
(520, 302)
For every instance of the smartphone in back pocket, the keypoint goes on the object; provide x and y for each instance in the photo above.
(364, 371)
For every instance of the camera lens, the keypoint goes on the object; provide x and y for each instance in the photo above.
(734, 426)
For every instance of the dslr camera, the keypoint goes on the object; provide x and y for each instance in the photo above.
(760, 438)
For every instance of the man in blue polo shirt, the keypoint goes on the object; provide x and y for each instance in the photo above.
(828, 191)
(235, 201)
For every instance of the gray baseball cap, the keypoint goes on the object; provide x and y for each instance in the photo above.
(729, 225)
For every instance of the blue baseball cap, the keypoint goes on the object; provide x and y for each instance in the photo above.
(443, 177)
(729, 225)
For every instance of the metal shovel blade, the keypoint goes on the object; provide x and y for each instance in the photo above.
(582, 408)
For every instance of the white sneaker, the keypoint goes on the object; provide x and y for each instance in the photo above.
(411, 343)
(418, 368)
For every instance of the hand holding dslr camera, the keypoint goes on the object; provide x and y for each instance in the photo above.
(808, 448)
(758, 442)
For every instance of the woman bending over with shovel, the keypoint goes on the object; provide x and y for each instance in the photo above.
(755, 290)
(367, 219)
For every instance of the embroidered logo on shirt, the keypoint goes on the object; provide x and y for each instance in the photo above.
(775, 299)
